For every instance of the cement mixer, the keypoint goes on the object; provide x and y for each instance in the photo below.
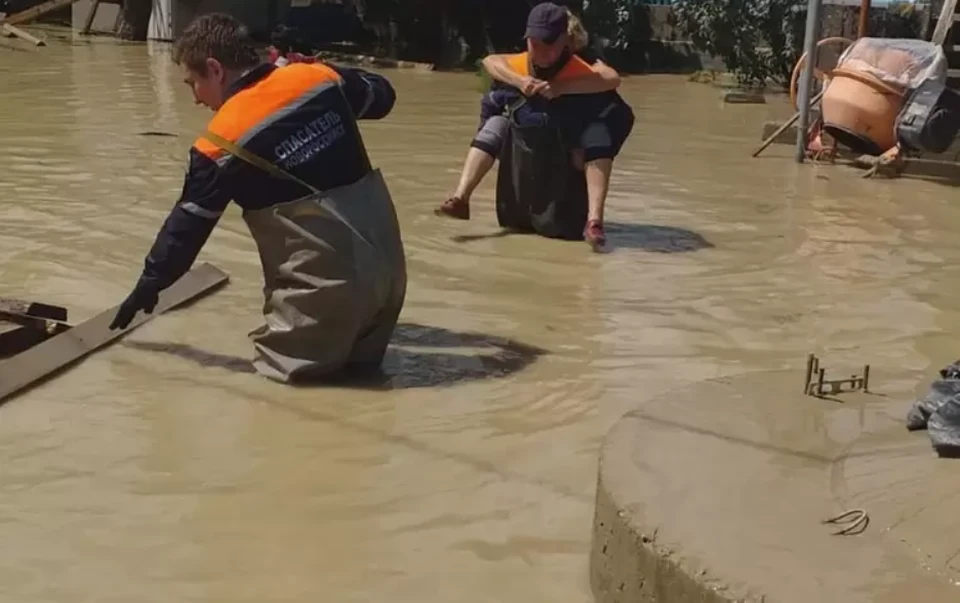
(889, 91)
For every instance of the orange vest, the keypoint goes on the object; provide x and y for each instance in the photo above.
(253, 108)
(576, 67)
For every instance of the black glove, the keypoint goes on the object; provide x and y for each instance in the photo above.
(144, 297)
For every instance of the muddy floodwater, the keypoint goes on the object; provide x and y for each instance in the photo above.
(160, 469)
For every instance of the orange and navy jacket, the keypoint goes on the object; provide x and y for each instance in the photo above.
(301, 117)
(519, 63)
(501, 95)
(571, 113)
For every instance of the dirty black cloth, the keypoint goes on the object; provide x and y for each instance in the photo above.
(538, 188)
(939, 412)
(597, 141)
(601, 137)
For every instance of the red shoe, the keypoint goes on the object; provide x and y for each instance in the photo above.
(593, 234)
(454, 207)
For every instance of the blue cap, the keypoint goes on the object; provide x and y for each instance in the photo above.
(546, 22)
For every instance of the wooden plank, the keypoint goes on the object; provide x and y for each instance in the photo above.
(6, 327)
(43, 360)
(787, 124)
(944, 22)
(119, 20)
(13, 31)
(16, 339)
(91, 15)
(37, 11)
(32, 309)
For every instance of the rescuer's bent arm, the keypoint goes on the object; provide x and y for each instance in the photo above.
(189, 224)
(602, 79)
(183, 235)
(371, 96)
(496, 65)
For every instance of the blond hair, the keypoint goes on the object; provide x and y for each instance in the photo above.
(576, 32)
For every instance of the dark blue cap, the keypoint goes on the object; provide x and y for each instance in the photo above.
(546, 22)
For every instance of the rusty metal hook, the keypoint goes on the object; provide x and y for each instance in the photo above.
(862, 521)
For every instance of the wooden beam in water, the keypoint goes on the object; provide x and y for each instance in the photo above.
(24, 324)
(42, 318)
(12, 31)
(44, 359)
(37, 11)
(91, 15)
(33, 309)
(944, 22)
(17, 336)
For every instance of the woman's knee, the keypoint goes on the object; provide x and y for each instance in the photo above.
(597, 142)
(491, 135)
(603, 139)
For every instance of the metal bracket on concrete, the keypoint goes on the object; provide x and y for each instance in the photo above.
(821, 385)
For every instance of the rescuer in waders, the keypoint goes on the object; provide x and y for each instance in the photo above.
(579, 98)
(285, 146)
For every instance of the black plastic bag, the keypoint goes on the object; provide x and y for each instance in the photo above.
(538, 187)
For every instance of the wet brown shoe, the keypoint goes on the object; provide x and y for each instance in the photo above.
(594, 236)
(454, 207)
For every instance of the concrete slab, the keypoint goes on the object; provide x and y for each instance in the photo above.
(717, 493)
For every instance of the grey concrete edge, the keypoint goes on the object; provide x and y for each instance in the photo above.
(629, 565)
